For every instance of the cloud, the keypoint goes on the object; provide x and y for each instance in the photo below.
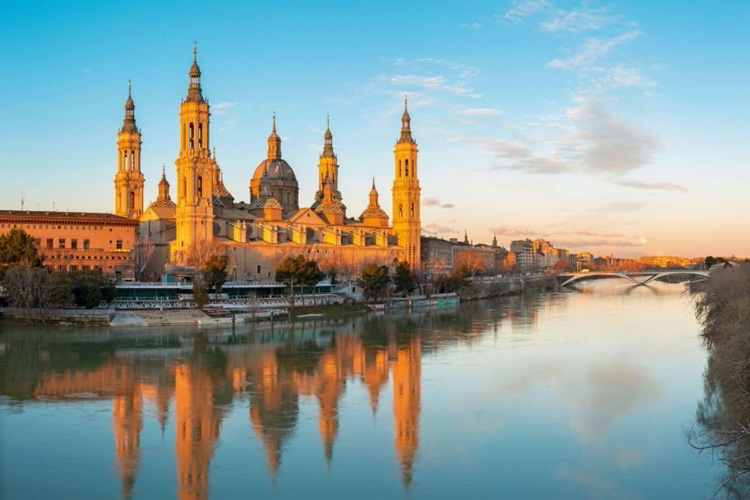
(592, 50)
(435, 83)
(521, 9)
(435, 229)
(434, 202)
(662, 186)
(578, 20)
(512, 231)
(222, 108)
(481, 112)
(604, 143)
(629, 77)
(499, 147)
(595, 242)
(431, 76)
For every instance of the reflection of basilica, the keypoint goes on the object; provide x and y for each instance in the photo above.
(274, 376)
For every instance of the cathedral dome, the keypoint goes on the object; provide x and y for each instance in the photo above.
(277, 169)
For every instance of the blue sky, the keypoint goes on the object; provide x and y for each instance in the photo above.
(616, 127)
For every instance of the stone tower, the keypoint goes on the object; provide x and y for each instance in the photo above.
(129, 179)
(406, 193)
(195, 168)
(328, 168)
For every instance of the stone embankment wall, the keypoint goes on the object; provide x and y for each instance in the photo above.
(58, 316)
(497, 287)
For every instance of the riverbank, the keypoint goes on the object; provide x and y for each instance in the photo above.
(120, 317)
(722, 305)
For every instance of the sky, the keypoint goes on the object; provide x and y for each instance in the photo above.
(613, 127)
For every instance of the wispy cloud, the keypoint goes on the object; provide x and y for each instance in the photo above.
(661, 186)
(480, 112)
(577, 20)
(435, 229)
(434, 202)
(513, 231)
(605, 143)
(592, 50)
(222, 108)
(523, 9)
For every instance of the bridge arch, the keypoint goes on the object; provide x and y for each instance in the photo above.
(638, 278)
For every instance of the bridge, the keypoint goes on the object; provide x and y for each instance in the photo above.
(637, 277)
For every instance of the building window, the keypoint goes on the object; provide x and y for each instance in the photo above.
(131, 201)
(258, 268)
(400, 210)
(411, 212)
(85, 244)
(50, 243)
(86, 268)
(62, 243)
(118, 245)
(190, 135)
(200, 135)
(200, 186)
(74, 268)
(74, 244)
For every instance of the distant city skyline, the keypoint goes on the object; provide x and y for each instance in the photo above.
(598, 126)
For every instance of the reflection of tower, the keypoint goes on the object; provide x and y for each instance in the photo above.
(273, 410)
(375, 374)
(128, 421)
(330, 390)
(197, 430)
(406, 368)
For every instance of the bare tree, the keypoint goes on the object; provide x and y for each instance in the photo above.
(32, 288)
(198, 253)
(142, 253)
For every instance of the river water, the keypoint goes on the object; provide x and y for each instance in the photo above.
(584, 393)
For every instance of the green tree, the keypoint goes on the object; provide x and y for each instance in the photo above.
(18, 248)
(215, 274)
(374, 280)
(200, 294)
(90, 288)
(404, 279)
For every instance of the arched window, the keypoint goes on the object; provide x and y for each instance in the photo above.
(406, 168)
(125, 162)
(400, 210)
(411, 212)
(184, 188)
(200, 135)
(200, 186)
(190, 135)
(131, 202)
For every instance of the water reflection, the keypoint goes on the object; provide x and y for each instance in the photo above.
(282, 385)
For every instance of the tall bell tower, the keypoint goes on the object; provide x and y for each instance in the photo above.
(328, 167)
(195, 168)
(406, 193)
(129, 179)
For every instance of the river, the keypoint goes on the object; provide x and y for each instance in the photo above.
(588, 392)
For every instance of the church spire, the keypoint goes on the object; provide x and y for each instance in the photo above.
(128, 124)
(406, 123)
(194, 90)
(328, 140)
(274, 142)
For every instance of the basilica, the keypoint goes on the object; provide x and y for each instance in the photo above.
(273, 224)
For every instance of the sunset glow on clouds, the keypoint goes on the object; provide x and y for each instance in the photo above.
(601, 126)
